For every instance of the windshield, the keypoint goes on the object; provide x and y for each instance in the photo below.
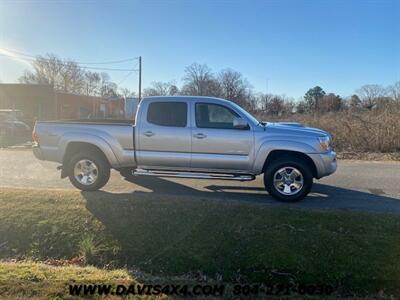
(5, 116)
(248, 115)
(12, 115)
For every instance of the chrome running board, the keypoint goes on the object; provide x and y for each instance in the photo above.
(238, 177)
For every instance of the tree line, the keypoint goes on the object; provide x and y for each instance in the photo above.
(68, 76)
(200, 80)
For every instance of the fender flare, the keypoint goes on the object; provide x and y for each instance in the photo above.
(90, 139)
(284, 145)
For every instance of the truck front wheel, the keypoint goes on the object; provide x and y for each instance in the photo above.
(288, 180)
(88, 172)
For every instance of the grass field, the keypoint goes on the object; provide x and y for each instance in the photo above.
(228, 241)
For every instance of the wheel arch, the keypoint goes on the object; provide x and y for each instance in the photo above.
(73, 148)
(282, 154)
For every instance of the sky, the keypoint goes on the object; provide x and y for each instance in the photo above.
(281, 47)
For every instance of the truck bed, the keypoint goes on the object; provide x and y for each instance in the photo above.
(115, 138)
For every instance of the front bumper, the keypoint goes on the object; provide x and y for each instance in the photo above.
(325, 163)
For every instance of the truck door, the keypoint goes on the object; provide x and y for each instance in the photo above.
(216, 143)
(164, 140)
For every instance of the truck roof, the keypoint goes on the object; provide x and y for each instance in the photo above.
(188, 98)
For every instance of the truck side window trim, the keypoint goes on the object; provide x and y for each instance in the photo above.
(167, 114)
(210, 126)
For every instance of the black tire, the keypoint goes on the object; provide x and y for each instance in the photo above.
(103, 170)
(298, 164)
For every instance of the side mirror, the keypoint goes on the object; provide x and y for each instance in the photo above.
(239, 123)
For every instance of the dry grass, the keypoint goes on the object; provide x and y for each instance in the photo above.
(31, 280)
(356, 131)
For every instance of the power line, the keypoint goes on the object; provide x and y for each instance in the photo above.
(64, 64)
(79, 63)
(125, 77)
(109, 69)
(31, 58)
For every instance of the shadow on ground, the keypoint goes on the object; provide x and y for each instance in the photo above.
(321, 197)
(176, 229)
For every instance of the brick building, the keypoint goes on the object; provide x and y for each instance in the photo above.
(41, 102)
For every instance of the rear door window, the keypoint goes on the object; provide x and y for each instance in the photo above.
(172, 114)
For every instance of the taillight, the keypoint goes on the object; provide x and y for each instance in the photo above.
(35, 137)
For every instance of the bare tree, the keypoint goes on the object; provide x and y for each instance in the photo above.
(289, 105)
(65, 76)
(47, 70)
(72, 77)
(369, 94)
(200, 81)
(159, 88)
(92, 83)
(252, 102)
(173, 90)
(394, 91)
(68, 76)
(264, 100)
(108, 88)
(234, 87)
(276, 105)
(127, 93)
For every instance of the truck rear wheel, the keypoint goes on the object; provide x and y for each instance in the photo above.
(88, 172)
(288, 180)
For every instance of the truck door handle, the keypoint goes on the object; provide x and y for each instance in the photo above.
(200, 136)
(149, 133)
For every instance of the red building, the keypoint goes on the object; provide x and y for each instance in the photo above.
(41, 102)
(71, 106)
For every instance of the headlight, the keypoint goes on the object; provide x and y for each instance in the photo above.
(324, 143)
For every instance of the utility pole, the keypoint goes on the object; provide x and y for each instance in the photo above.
(140, 78)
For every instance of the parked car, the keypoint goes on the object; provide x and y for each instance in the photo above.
(195, 137)
(12, 130)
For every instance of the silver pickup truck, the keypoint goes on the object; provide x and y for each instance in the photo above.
(194, 137)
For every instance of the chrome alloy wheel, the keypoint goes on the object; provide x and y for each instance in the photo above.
(288, 181)
(86, 172)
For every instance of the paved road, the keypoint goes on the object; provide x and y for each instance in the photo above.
(357, 185)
